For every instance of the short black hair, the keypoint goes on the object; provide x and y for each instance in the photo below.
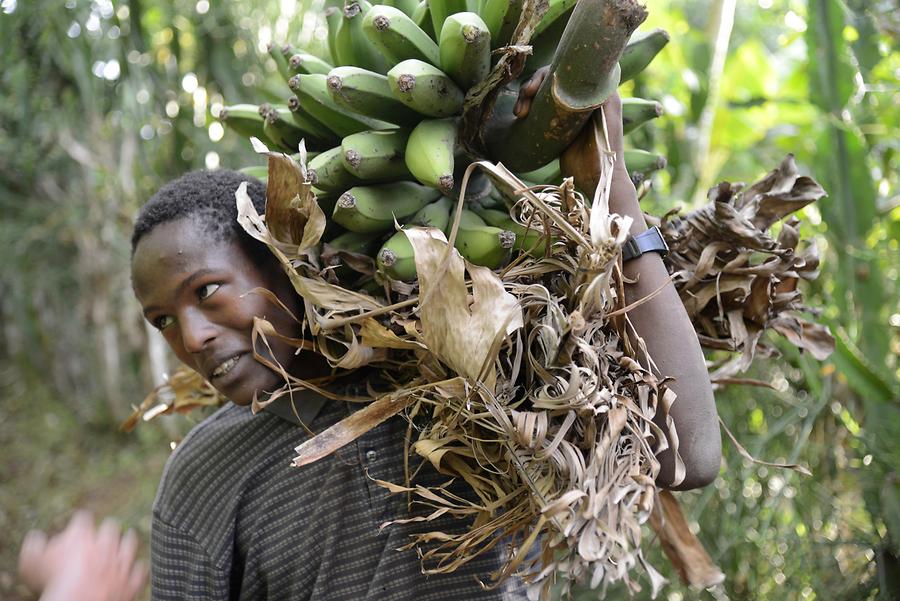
(208, 197)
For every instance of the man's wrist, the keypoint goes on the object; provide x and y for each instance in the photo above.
(648, 241)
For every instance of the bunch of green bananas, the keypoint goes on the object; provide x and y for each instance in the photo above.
(381, 121)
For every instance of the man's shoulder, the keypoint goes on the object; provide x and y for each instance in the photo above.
(215, 457)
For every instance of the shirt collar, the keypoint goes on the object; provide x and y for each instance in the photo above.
(300, 410)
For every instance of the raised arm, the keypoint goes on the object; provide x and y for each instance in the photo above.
(662, 321)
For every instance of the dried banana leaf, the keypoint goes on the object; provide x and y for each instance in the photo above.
(736, 278)
(522, 382)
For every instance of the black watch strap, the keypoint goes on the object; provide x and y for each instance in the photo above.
(650, 240)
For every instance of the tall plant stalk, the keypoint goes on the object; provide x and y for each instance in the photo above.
(721, 36)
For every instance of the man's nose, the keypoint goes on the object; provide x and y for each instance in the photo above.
(197, 331)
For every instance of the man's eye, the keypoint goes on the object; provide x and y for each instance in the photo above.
(207, 291)
(162, 322)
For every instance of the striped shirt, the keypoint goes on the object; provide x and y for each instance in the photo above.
(233, 520)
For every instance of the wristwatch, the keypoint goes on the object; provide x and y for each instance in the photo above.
(650, 240)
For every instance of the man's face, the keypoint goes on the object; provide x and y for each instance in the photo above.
(197, 292)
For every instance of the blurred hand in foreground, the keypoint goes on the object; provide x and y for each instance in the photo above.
(83, 563)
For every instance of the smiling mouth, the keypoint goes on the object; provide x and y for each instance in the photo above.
(225, 367)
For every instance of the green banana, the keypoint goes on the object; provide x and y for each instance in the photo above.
(368, 93)
(396, 258)
(528, 240)
(422, 17)
(245, 119)
(260, 172)
(305, 63)
(307, 122)
(640, 52)
(441, 9)
(501, 18)
(425, 88)
(327, 171)
(637, 111)
(281, 130)
(376, 155)
(326, 200)
(555, 10)
(640, 163)
(548, 174)
(397, 36)
(407, 6)
(348, 242)
(334, 18)
(364, 54)
(312, 92)
(483, 244)
(469, 219)
(465, 49)
(494, 200)
(355, 242)
(435, 214)
(277, 53)
(491, 199)
(345, 50)
(374, 208)
(430, 153)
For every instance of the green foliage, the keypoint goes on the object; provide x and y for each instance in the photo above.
(101, 103)
(813, 79)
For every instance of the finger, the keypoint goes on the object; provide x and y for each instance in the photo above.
(528, 91)
(137, 580)
(31, 557)
(523, 105)
(124, 564)
(128, 547)
(33, 546)
(81, 520)
(535, 81)
(108, 540)
(80, 526)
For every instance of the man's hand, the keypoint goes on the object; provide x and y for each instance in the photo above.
(582, 159)
(83, 562)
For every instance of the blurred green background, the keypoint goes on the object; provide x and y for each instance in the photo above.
(101, 102)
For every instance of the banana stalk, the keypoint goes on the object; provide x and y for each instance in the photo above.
(584, 72)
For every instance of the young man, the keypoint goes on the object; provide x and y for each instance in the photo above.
(232, 519)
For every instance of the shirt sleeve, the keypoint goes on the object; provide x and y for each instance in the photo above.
(180, 568)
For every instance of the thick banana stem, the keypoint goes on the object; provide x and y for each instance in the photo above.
(583, 74)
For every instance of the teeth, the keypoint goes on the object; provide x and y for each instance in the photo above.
(225, 367)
